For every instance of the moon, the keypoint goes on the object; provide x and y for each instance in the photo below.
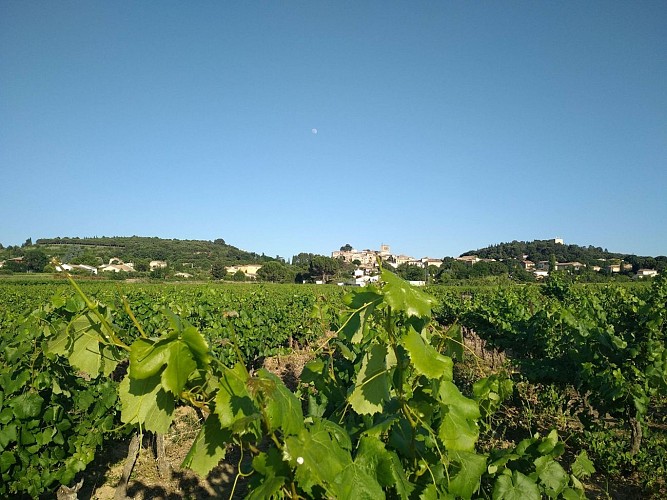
(314, 131)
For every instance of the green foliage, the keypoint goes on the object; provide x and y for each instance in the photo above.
(52, 421)
(384, 415)
(274, 272)
(218, 270)
(606, 344)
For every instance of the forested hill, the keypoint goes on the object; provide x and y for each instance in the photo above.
(543, 249)
(135, 248)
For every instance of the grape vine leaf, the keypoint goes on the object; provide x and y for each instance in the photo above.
(454, 342)
(283, 409)
(197, 345)
(145, 402)
(209, 446)
(233, 402)
(85, 351)
(403, 297)
(79, 341)
(552, 475)
(354, 481)
(515, 487)
(27, 405)
(458, 429)
(7, 459)
(583, 466)
(372, 385)
(273, 473)
(317, 457)
(425, 359)
(180, 365)
(467, 479)
(268, 488)
(383, 464)
(147, 357)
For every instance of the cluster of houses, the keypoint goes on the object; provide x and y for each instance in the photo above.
(368, 259)
(541, 268)
(367, 263)
(116, 265)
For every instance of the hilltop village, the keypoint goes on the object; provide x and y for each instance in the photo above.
(154, 258)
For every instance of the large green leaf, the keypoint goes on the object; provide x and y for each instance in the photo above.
(233, 402)
(403, 297)
(7, 459)
(383, 465)
(209, 446)
(272, 473)
(79, 341)
(454, 342)
(355, 482)
(426, 360)
(317, 458)
(180, 365)
(552, 475)
(582, 466)
(283, 409)
(471, 467)
(145, 402)
(371, 390)
(458, 429)
(515, 487)
(85, 354)
(268, 488)
(147, 357)
(197, 344)
(8, 434)
(27, 406)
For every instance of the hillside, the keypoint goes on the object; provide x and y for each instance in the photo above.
(540, 250)
(192, 253)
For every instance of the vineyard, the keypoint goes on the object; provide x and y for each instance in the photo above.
(551, 390)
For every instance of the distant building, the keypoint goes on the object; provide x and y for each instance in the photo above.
(116, 265)
(646, 273)
(469, 259)
(572, 266)
(426, 262)
(528, 265)
(250, 270)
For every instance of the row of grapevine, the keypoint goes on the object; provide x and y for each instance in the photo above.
(55, 415)
(607, 343)
(378, 413)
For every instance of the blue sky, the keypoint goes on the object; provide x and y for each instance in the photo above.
(441, 127)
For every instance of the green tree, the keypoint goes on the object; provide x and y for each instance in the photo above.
(35, 260)
(273, 271)
(239, 276)
(552, 263)
(218, 270)
(14, 266)
(346, 248)
(88, 258)
(142, 265)
(159, 273)
(410, 272)
(321, 266)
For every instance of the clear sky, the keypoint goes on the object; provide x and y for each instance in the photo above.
(282, 127)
